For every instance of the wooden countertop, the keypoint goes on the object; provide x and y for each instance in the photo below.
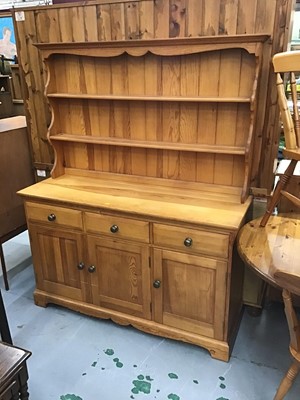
(208, 205)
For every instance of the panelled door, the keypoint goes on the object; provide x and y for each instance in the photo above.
(58, 258)
(120, 275)
(189, 292)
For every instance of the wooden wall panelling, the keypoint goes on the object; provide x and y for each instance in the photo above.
(31, 71)
(119, 20)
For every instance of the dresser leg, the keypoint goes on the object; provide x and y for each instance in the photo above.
(24, 395)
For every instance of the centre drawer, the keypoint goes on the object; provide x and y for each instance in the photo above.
(54, 215)
(125, 228)
(193, 240)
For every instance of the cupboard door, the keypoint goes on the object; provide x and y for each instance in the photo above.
(120, 276)
(58, 261)
(189, 292)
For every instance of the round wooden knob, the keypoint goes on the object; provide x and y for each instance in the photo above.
(114, 228)
(188, 242)
(156, 284)
(51, 217)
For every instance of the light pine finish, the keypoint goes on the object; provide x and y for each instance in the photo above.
(150, 183)
(121, 278)
(272, 247)
(272, 251)
(283, 63)
(212, 122)
(285, 280)
(147, 19)
(111, 274)
(191, 292)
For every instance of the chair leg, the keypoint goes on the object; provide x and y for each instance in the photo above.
(287, 381)
(283, 181)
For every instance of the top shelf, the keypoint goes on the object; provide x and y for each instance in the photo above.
(161, 47)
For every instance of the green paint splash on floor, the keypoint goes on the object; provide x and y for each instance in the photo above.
(134, 366)
(222, 386)
(172, 375)
(118, 363)
(70, 397)
(222, 398)
(141, 386)
(148, 377)
(94, 364)
(109, 352)
(173, 396)
(195, 381)
(84, 373)
(221, 378)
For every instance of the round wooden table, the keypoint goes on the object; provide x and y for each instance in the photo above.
(273, 247)
(273, 252)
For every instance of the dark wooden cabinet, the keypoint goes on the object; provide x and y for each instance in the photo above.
(6, 103)
(16, 172)
(13, 373)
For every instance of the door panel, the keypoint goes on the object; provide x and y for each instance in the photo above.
(190, 294)
(56, 256)
(121, 280)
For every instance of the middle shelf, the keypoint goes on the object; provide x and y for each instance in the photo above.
(114, 141)
(161, 98)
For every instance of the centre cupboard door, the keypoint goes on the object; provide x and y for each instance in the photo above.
(121, 275)
(189, 292)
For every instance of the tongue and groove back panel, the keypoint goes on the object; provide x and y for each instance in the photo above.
(146, 19)
(183, 117)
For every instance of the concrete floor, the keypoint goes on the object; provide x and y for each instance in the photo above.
(75, 357)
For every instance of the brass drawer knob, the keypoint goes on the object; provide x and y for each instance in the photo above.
(92, 268)
(51, 217)
(156, 284)
(188, 242)
(80, 266)
(114, 228)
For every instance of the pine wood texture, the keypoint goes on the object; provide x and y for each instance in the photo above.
(273, 247)
(111, 273)
(145, 19)
(215, 118)
(287, 62)
(134, 224)
(182, 202)
(290, 283)
(272, 251)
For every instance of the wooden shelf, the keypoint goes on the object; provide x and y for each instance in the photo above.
(150, 98)
(162, 47)
(113, 141)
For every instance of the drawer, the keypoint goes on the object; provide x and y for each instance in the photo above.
(125, 228)
(54, 215)
(193, 240)
(11, 391)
